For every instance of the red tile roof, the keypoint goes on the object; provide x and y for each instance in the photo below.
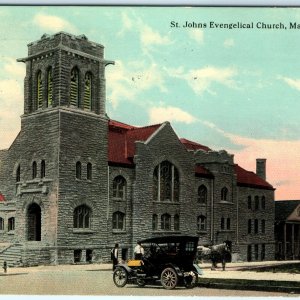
(122, 138)
(121, 150)
(193, 146)
(202, 172)
(2, 198)
(250, 179)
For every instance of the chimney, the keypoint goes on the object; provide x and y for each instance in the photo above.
(261, 168)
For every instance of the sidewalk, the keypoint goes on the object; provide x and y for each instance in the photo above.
(234, 277)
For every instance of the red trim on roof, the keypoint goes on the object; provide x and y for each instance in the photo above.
(190, 145)
(122, 138)
(200, 171)
(250, 179)
(2, 198)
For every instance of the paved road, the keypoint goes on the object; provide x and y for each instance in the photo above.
(85, 280)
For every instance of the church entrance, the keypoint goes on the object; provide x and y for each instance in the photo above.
(34, 222)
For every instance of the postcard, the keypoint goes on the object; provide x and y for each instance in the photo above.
(149, 151)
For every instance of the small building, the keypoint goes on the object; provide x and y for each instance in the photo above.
(287, 229)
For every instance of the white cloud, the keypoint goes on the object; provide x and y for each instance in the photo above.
(53, 23)
(171, 114)
(197, 35)
(294, 83)
(11, 99)
(127, 23)
(201, 80)
(126, 82)
(150, 37)
(229, 43)
(13, 67)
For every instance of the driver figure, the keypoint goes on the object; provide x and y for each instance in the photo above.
(138, 251)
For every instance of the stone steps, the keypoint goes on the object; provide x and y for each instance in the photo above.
(12, 255)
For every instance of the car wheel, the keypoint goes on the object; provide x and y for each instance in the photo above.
(169, 278)
(191, 280)
(120, 277)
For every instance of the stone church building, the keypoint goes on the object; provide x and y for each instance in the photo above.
(74, 182)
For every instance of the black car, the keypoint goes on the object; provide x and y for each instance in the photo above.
(170, 259)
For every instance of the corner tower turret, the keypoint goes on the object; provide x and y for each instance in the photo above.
(63, 70)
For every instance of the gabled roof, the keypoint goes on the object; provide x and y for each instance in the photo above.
(284, 208)
(193, 145)
(250, 179)
(121, 141)
(121, 150)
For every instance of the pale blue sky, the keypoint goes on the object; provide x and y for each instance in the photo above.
(235, 89)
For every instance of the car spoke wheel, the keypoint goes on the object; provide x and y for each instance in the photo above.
(169, 278)
(191, 280)
(120, 277)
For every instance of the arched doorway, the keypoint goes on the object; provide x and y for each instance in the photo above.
(34, 222)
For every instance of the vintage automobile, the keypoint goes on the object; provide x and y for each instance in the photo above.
(170, 259)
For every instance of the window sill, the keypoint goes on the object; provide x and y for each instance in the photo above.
(226, 202)
(202, 231)
(83, 230)
(11, 232)
(118, 199)
(123, 231)
(167, 202)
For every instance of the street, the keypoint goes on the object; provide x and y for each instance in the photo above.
(94, 280)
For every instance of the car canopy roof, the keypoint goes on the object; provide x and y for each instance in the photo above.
(171, 239)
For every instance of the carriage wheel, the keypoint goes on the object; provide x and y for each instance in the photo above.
(120, 277)
(169, 278)
(191, 280)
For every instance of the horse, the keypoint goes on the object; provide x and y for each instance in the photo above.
(216, 253)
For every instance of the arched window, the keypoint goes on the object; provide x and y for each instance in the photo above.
(224, 194)
(119, 187)
(249, 202)
(74, 87)
(43, 169)
(34, 170)
(49, 87)
(89, 171)
(256, 202)
(263, 202)
(249, 226)
(201, 223)
(11, 224)
(18, 174)
(166, 182)
(118, 220)
(165, 222)
(263, 226)
(82, 217)
(39, 89)
(228, 224)
(176, 222)
(202, 194)
(222, 223)
(78, 170)
(154, 222)
(1, 223)
(255, 226)
(88, 91)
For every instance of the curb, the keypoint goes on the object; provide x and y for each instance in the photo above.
(251, 285)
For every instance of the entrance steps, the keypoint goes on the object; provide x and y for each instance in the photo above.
(12, 254)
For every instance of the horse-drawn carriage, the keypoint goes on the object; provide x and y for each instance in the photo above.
(170, 259)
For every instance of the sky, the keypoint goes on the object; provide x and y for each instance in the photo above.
(234, 89)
